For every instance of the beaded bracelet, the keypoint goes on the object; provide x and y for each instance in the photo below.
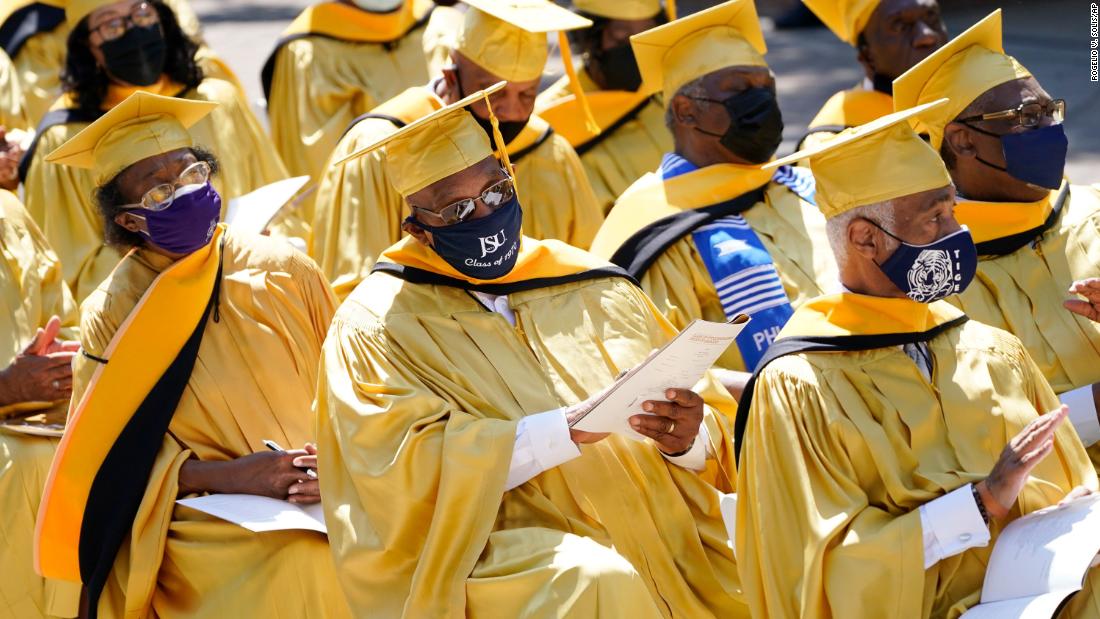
(981, 504)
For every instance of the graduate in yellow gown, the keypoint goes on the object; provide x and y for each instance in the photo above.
(61, 198)
(887, 439)
(453, 485)
(13, 114)
(203, 343)
(1036, 232)
(36, 353)
(633, 136)
(37, 47)
(338, 60)
(358, 215)
(890, 36)
(710, 234)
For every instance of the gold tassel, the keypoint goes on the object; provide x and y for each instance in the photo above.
(500, 145)
(670, 9)
(575, 85)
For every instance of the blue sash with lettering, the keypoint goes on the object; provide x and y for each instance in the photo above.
(741, 268)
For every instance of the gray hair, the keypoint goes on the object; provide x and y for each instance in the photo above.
(882, 213)
(694, 88)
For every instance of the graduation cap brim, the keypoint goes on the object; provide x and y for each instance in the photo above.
(420, 122)
(856, 133)
(532, 16)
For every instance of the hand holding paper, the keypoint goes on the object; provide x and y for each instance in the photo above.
(678, 365)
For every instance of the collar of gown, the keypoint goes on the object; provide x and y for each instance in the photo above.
(848, 313)
(348, 23)
(995, 220)
(537, 260)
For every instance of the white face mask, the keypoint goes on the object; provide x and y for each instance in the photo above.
(379, 6)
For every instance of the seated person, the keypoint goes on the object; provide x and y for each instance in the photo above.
(453, 483)
(101, 70)
(710, 234)
(890, 36)
(335, 61)
(200, 346)
(358, 215)
(1003, 141)
(887, 439)
(632, 137)
(39, 322)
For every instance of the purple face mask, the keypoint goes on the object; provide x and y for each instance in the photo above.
(188, 223)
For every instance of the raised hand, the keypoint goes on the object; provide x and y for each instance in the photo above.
(1090, 306)
(1000, 490)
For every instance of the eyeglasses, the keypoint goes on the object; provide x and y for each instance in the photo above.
(1027, 115)
(142, 15)
(161, 197)
(495, 196)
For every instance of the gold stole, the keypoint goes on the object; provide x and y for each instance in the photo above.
(143, 348)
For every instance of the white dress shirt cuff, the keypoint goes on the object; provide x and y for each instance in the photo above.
(696, 458)
(1082, 413)
(542, 442)
(951, 524)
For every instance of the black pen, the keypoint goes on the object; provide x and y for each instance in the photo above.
(273, 446)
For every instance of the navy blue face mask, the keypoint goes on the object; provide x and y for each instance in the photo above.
(927, 273)
(482, 249)
(1036, 157)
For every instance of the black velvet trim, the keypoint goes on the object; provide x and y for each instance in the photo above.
(120, 483)
(642, 249)
(604, 134)
(1008, 244)
(26, 22)
(268, 71)
(414, 275)
(847, 343)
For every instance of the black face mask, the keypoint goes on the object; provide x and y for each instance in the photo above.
(756, 124)
(136, 57)
(509, 129)
(619, 68)
(883, 84)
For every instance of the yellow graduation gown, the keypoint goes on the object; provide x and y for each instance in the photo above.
(333, 63)
(253, 380)
(847, 108)
(420, 395)
(61, 198)
(633, 140)
(843, 447)
(38, 54)
(791, 229)
(1022, 291)
(358, 214)
(12, 113)
(31, 291)
(40, 58)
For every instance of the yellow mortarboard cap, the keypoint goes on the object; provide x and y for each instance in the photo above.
(846, 18)
(507, 38)
(435, 146)
(878, 161)
(962, 70)
(678, 52)
(76, 10)
(140, 127)
(619, 9)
